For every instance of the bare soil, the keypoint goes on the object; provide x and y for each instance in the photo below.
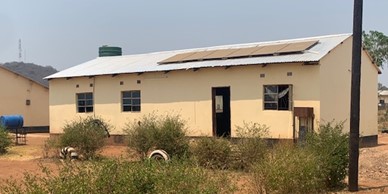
(373, 166)
(373, 162)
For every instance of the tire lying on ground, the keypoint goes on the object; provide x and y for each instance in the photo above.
(68, 152)
(159, 155)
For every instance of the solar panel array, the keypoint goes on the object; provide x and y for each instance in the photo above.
(275, 49)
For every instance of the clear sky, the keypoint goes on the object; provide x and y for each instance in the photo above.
(64, 33)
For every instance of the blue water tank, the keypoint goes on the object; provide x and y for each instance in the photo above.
(11, 121)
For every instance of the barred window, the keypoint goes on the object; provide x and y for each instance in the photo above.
(131, 101)
(277, 97)
(85, 102)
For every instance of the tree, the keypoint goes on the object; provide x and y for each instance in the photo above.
(376, 43)
(380, 86)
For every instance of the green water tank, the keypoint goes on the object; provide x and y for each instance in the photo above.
(106, 51)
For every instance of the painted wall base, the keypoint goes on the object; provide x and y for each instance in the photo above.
(35, 129)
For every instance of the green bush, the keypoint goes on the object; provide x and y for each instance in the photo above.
(117, 176)
(87, 135)
(287, 169)
(140, 134)
(250, 147)
(158, 132)
(331, 146)
(5, 140)
(213, 152)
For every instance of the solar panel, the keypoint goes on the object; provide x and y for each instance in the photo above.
(176, 58)
(299, 46)
(270, 49)
(220, 54)
(198, 56)
(243, 52)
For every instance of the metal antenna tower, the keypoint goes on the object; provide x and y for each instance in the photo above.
(20, 50)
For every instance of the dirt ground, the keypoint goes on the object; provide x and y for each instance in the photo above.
(373, 166)
(373, 170)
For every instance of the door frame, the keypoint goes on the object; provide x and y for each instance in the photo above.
(214, 114)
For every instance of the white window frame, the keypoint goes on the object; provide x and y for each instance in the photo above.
(127, 102)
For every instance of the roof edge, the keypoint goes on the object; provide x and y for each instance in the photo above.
(23, 76)
(310, 62)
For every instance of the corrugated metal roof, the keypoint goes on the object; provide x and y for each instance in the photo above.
(141, 63)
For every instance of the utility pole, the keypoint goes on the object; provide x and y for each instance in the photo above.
(355, 97)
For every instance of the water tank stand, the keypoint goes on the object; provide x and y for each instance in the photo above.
(21, 136)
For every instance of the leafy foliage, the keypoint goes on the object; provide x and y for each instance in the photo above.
(86, 135)
(250, 147)
(158, 132)
(5, 140)
(331, 146)
(116, 176)
(171, 136)
(287, 169)
(140, 134)
(380, 86)
(213, 152)
(377, 45)
(318, 164)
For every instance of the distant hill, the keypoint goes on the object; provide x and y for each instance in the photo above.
(31, 71)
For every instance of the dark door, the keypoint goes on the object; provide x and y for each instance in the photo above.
(221, 111)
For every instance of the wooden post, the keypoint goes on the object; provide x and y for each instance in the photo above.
(355, 97)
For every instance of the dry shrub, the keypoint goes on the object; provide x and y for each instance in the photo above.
(118, 176)
(331, 146)
(287, 169)
(86, 135)
(250, 147)
(5, 140)
(51, 147)
(158, 132)
(212, 152)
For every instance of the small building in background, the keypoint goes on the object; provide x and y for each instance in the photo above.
(25, 95)
(383, 99)
(291, 86)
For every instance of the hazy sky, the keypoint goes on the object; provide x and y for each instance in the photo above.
(65, 33)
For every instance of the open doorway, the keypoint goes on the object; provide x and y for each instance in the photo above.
(304, 123)
(221, 111)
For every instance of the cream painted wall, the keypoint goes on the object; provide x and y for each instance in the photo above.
(188, 93)
(62, 101)
(324, 87)
(369, 110)
(335, 89)
(16, 90)
(335, 84)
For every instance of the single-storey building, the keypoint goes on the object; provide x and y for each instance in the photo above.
(383, 98)
(24, 96)
(290, 86)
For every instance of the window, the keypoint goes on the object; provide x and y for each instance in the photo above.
(131, 101)
(85, 102)
(277, 97)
